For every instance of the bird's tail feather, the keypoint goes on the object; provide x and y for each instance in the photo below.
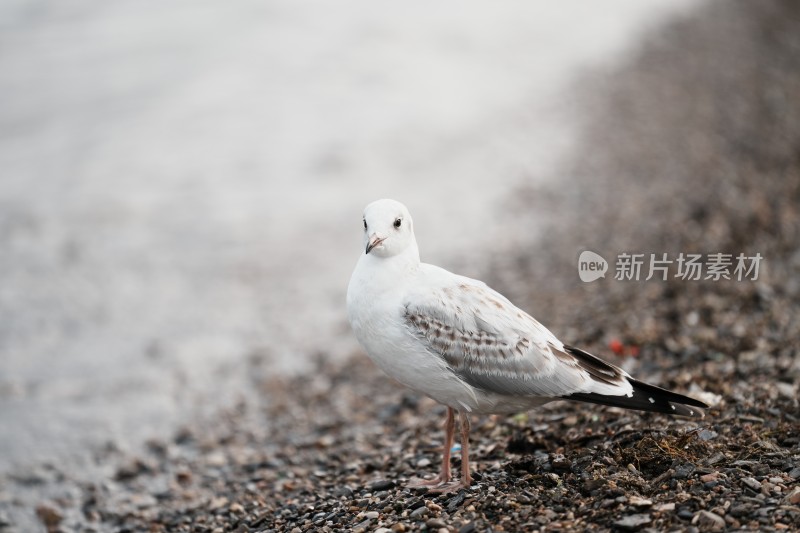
(647, 397)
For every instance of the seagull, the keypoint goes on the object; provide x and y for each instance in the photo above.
(456, 340)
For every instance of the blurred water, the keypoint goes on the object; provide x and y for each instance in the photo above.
(182, 181)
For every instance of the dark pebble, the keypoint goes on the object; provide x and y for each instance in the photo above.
(414, 503)
(362, 526)
(183, 436)
(456, 501)
(559, 462)
(593, 484)
(739, 510)
(435, 523)
(417, 514)
(467, 528)
(260, 521)
(683, 471)
(752, 483)
(50, 516)
(345, 492)
(685, 513)
(383, 484)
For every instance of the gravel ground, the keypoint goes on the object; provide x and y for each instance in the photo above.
(694, 147)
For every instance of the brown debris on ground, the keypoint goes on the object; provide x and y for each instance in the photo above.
(694, 148)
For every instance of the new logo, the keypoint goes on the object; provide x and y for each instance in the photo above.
(591, 266)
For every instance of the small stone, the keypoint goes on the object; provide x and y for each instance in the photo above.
(132, 470)
(361, 527)
(345, 492)
(713, 476)
(707, 434)
(49, 516)
(184, 477)
(664, 507)
(433, 506)
(382, 484)
(422, 463)
(793, 498)
(570, 421)
(398, 528)
(739, 510)
(786, 390)
(469, 527)
(633, 522)
(372, 515)
(559, 462)
(593, 484)
(236, 508)
(708, 521)
(637, 501)
(683, 471)
(218, 503)
(417, 514)
(383, 530)
(215, 459)
(794, 473)
(456, 501)
(435, 523)
(752, 483)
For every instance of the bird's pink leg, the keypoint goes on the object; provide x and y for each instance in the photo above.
(444, 475)
(465, 481)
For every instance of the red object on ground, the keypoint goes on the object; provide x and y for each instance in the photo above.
(616, 346)
(620, 349)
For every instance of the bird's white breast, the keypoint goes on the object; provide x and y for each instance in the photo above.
(375, 305)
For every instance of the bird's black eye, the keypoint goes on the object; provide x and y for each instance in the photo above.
(365, 223)
(397, 223)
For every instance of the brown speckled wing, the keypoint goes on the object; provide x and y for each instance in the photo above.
(598, 370)
(494, 346)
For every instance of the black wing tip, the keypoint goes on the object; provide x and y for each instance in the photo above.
(658, 405)
(645, 397)
(658, 392)
(649, 398)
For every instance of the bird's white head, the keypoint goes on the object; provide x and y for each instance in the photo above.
(388, 229)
